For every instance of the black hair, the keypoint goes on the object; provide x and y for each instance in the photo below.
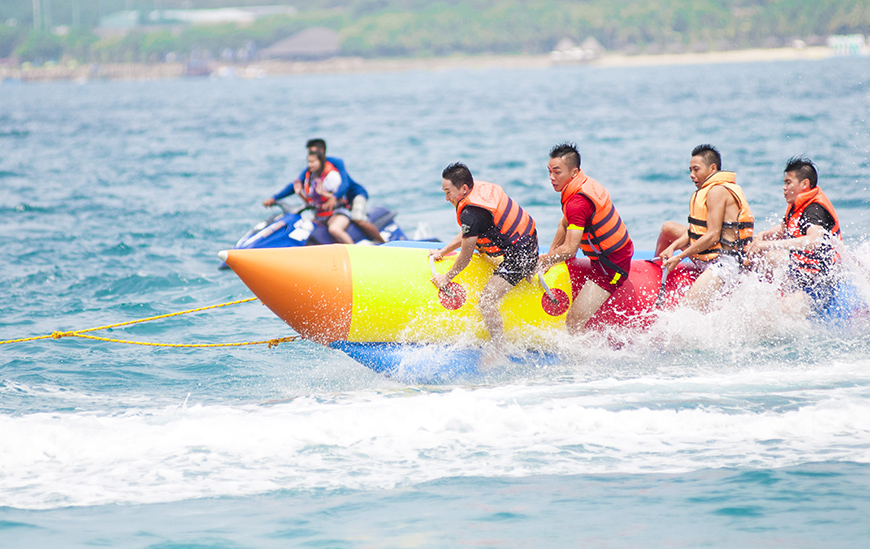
(321, 157)
(316, 142)
(458, 174)
(804, 168)
(569, 152)
(709, 154)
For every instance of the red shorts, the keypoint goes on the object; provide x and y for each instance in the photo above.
(608, 278)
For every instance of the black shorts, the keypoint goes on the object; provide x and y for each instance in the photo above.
(520, 260)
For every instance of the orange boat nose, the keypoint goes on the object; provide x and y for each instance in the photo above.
(310, 288)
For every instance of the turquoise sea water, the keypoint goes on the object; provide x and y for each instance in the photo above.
(732, 428)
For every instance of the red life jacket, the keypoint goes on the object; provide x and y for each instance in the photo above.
(823, 256)
(606, 233)
(310, 194)
(510, 219)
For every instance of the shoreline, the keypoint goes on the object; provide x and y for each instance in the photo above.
(144, 71)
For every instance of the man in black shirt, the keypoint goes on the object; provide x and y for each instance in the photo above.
(809, 232)
(492, 222)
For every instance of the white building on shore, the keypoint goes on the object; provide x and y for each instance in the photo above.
(849, 45)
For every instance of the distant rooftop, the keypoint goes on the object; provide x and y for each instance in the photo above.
(313, 43)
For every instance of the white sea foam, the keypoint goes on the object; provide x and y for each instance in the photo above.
(384, 439)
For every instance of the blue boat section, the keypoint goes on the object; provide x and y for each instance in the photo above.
(423, 244)
(433, 364)
(643, 254)
(415, 363)
(844, 305)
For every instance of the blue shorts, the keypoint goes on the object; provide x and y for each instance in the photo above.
(821, 288)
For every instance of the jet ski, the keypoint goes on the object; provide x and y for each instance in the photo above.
(294, 227)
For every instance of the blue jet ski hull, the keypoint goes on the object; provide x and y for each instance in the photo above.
(290, 229)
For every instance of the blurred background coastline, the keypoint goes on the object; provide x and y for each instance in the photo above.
(148, 39)
(79, 72)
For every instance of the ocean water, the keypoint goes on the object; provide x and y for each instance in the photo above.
(738, 427)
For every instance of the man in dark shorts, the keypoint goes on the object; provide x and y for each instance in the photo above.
(497, 226)
(591, 223)
(809, 234)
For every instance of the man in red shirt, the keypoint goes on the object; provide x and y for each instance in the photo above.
(591, 223)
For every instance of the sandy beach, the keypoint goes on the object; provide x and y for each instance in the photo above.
(138, 71)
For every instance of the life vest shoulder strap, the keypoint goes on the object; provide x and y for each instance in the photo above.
(606, 232)
(511, 220)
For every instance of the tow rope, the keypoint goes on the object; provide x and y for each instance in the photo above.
(84, 333)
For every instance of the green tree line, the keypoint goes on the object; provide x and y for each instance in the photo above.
(409, 28)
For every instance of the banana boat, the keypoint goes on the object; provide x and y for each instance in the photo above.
(377, 304)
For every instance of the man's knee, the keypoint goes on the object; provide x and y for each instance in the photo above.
(588, 302)
(492, 294)
(672, 228)
(336, 230)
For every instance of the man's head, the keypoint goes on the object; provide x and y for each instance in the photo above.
(564, 165)
(705, 161)
(800, 176)
(456, 182)
(316, 143)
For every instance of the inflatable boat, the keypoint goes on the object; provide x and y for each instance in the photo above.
(377, 304)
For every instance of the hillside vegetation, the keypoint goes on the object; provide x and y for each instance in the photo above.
(409, 28)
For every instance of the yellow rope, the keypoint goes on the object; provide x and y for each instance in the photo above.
(158, 317)
(270, 342)
(80, 333)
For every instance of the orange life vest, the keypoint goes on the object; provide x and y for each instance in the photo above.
(742, 227)
(606, 233)
(819, 259)
(510, 219)
(310, 194)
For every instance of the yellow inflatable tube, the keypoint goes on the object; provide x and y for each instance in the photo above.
(384, 294)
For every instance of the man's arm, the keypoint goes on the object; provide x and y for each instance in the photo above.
(561, 231)
(717, 200)
(816, 224)
(773, 233)
(462, 261)
(678, 244)
(565, 249)
(759, 240)
(289, 189)
(814, 237)
(449, 247)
